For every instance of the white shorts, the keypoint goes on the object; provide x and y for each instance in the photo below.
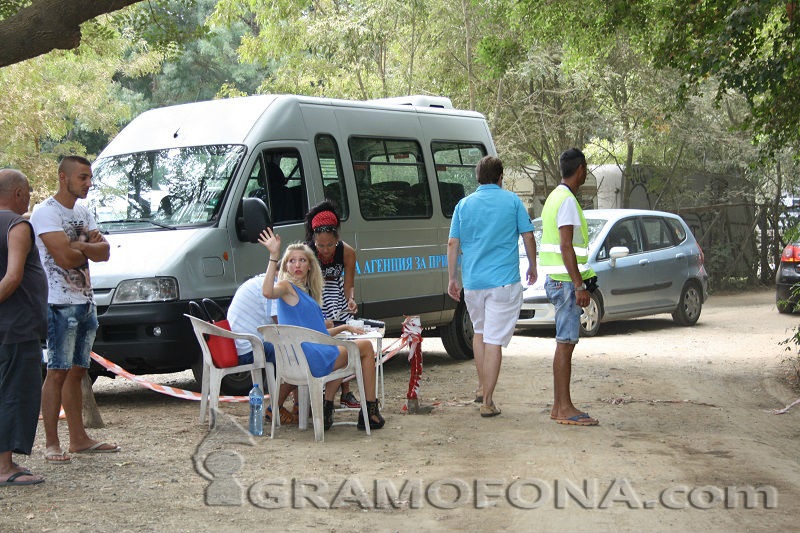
(494, 312)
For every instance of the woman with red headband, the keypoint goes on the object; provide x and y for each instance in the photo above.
(338, 262)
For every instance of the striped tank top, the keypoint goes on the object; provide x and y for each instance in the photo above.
(334, 304)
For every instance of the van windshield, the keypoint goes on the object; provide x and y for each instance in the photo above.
(163, 189)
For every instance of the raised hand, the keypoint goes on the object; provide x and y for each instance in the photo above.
(271, 241)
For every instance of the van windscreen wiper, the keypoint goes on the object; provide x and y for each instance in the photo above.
(147, 220)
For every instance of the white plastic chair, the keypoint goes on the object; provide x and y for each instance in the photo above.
(212, 375)
(292, 367)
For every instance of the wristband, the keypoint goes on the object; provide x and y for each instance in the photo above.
(581, 288)
(271, 259)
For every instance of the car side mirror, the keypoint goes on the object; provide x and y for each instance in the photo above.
(617, 252)
(252, 218)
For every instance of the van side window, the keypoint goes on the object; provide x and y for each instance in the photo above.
(656, 233)
(330, 167)
(390, 178)
(277, 179)
(254, 189)
(455, 171)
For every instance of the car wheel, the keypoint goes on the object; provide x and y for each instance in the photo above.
(689, 306)
(238, 384)
(457, 335)
(591, 316)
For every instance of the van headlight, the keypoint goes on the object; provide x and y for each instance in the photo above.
(146, 290)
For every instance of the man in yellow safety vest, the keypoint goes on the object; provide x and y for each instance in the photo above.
(563, 257)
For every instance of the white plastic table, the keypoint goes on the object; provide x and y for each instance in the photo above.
(377, 336)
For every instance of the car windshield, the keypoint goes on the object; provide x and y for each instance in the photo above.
(594, 226)
(164, 189)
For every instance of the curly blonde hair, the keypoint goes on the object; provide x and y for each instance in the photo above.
(313, 284)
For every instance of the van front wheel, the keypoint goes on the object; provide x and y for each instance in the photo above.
(457, 335)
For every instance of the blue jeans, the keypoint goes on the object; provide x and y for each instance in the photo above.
(70, 335)
(568, 314)
(269, 354)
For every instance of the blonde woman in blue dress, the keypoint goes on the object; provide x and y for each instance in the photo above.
(299, 294)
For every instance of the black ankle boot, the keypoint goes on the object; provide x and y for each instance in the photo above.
(327, 409)
(376, 421)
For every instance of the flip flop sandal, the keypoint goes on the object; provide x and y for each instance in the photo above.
(581, 415)
(489, 410)
(12, 480)
(582, 419)
(50, 458)
(96, 448)
(286, 416)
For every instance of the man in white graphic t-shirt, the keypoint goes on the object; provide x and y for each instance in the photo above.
(67, 237)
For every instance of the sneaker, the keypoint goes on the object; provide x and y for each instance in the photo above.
(349, 400)
(376, 421)
(489, 410)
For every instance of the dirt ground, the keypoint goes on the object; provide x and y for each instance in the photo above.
(694, 415)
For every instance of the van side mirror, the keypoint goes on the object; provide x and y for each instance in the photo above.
(251, 219)
(617, 252)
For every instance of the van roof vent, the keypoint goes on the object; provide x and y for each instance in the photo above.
(419, 100)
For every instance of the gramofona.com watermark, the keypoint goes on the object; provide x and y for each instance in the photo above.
(221, 466)
(532, 493)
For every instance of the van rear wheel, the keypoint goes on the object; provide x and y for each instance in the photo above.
(457, 335)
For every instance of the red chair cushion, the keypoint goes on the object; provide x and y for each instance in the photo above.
(223, 349)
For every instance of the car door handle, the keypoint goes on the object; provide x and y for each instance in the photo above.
(680, 255)
(643, 262)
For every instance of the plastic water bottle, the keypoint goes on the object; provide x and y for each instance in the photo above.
(256, 411)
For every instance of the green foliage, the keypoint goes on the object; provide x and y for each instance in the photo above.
(360, 49)
(49, 103)
(791, 361)
(10, 7)
(201, 62)
(750, 46)
(163, 23)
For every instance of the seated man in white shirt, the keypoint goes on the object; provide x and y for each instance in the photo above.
(248, 310)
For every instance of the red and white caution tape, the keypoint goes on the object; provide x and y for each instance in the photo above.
(412, 335)
(163, 389)
(786, 409)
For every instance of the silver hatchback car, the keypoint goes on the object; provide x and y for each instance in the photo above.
(647, 262)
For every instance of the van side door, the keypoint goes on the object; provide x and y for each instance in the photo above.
(399, 259)
(276, 174)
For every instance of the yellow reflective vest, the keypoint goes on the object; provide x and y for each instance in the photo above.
(550, 261)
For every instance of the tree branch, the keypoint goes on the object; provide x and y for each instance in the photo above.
(49, 24)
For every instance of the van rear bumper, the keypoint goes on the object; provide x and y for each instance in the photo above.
(147, 337)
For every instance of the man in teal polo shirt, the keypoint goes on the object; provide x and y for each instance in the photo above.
(485, 229)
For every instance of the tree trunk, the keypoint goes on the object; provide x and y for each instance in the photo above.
(777, 238)
(468, 50)
(48, 24)
(91, 414)
(766, 270)
(625, 187)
